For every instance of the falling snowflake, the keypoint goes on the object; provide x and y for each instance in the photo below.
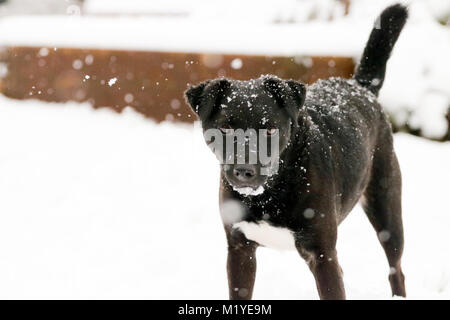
(236, 64)
(112, 81)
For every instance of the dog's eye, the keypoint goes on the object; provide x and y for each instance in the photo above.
(226, 129)
(271, 131)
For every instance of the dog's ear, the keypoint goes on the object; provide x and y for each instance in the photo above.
(290, 95)
(193, 95)
(205, 97)
(298, 90)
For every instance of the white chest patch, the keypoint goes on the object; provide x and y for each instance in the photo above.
(267, 235)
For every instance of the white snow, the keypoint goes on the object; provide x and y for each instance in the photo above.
(128, 98)
(112, 81)
(100, 205)
(183, 35)
(77, 64)
(253, 11)
(418, 74)
(247, 191)
(40, 7)
(236, 63)
(232, 211)
(138, 7)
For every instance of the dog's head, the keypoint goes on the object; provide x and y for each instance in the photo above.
(248, 124)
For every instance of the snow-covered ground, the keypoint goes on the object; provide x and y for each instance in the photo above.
(94, 204)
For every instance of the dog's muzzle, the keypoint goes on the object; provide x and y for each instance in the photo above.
(244, 173)
(245, 178)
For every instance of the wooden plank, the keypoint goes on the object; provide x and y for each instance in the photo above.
(150, 82)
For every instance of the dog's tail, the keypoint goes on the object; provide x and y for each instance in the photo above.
(372, 68)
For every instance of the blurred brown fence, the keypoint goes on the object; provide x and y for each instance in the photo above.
(150, 82)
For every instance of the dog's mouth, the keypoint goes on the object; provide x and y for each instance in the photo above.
(249, 191)
(245, 179)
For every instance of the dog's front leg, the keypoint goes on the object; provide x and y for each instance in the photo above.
(241, 266)
(327, 273)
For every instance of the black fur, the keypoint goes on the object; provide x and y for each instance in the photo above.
(336, 147)
(372, 67)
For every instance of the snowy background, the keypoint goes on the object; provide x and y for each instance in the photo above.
(416, 92)
(95, 204)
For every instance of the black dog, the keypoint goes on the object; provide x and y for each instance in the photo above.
(335, 148)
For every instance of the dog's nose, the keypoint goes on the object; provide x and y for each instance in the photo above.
(244, 172)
